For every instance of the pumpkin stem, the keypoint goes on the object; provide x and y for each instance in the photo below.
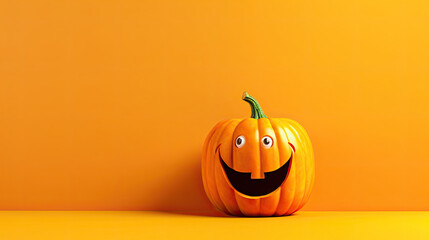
(254, 106)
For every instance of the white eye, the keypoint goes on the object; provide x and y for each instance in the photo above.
(240, 141)
(267, 142)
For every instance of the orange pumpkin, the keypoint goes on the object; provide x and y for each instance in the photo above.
(258, 166)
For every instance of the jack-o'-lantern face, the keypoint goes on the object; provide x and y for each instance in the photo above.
(247, 184)
(254, 182)
(258, 166)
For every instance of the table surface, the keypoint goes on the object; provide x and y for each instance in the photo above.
(173, 225)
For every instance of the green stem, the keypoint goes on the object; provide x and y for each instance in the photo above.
(254, 106)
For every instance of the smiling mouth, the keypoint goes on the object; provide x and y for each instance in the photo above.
(244, 184)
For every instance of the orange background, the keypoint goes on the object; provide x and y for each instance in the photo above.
(106, 104)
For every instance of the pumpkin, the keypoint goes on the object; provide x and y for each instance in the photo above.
(258, 166)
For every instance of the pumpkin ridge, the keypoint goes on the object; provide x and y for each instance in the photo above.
(204, 156)
(297, 198)
(204, 161)
(243, 202)
(309, 175)
(279, 138)
(282, 127)
(270, 202)
(215, 194)
(218, 167)
(305, 166)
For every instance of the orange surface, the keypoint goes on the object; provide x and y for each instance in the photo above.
(106, 104)
(34, 225)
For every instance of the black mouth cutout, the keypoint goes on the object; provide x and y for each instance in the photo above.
(244, 184)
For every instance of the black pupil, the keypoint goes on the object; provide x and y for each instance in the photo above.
(266, 141)
(239, 141)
